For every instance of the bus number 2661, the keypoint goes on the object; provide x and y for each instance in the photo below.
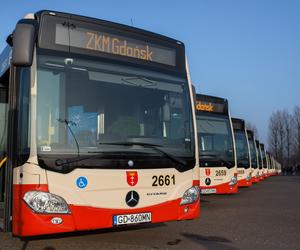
(163, 180)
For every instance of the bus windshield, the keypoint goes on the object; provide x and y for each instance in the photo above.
(86, 106)
(215, 138)
(253, 154)
(241, 149)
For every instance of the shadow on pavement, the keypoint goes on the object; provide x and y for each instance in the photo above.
(210, 242)
(91, 232)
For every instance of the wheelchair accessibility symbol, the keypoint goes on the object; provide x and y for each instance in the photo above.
(81, 182)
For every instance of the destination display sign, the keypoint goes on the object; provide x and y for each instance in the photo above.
(250, 135)
(98, 40)
(238, 124)
(210, 107)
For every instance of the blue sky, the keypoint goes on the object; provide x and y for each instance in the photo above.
(245, 50)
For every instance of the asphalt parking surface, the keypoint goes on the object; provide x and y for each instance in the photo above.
(264, 216)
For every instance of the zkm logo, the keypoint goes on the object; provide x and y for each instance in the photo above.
(204, 106)
(132, 198)
(132, 177)
(117, 46)
(207, 171)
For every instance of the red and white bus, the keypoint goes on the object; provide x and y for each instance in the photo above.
(218, 171)
(270, 165)
(242, 153)
(260, 160)
(279, 168)
(264, 160)
(100, 124)
(254, 157)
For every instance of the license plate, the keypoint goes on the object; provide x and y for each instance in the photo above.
(208, 191)
(125, 219)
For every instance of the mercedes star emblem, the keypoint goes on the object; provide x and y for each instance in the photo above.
(207, 181)
(132, 198)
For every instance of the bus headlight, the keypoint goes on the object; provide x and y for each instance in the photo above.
(190, 196)
(46, 203)
(233, 181)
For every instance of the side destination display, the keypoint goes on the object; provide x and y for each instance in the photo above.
(211, 104)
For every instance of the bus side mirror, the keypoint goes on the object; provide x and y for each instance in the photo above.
(24, 38)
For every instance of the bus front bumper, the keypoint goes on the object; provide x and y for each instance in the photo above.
(223, 188)
(28, 223)
(245, 183)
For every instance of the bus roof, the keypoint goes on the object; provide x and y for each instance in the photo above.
(141, 47)
(41, 13)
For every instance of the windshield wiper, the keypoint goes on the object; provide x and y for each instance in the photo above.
(148, 145)
(68, 123)
(215, 157)
(63, 162)
(205, 155)
(228, 163)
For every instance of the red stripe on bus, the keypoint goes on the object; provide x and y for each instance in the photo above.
(244, 183)
(196, 183)
(28, 223)
(255, 180)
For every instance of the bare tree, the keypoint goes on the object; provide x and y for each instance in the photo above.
(296, 119)
(273, 135)
(276, 136)
(288, 133)
(284, 136)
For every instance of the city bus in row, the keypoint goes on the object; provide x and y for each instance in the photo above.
(270, 165)
(273, 162)
(273, 165)
(217, 157)
(243, 158)
(279, 168)
(264, 160)
(100, 125)
(260, 166)
(254, 157)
